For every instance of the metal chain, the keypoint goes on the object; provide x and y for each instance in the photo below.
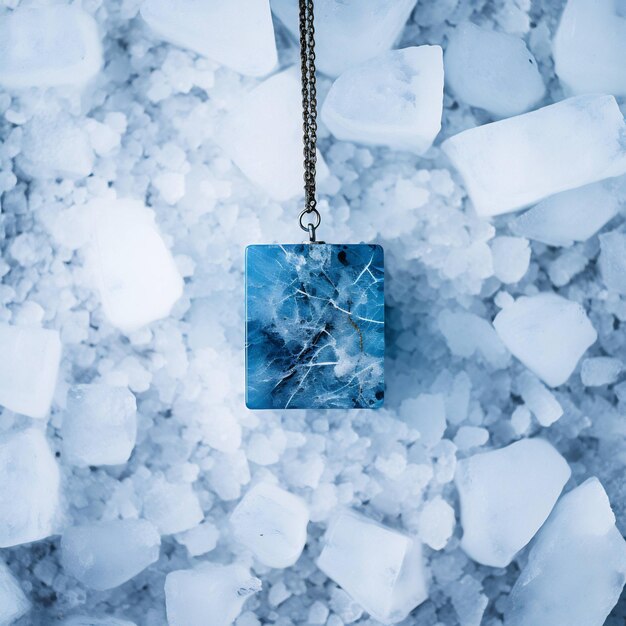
(309, 118)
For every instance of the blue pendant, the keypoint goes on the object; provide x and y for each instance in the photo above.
(315, 326)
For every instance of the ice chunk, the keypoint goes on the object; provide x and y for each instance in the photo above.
(238, 34)
(436, 523)
(99, 425)
(577, 567)
(600, 370)
(547, 333)
(262, 134)
(48, 45)
(104, 555)
(589, 47)
(172, 507)
(539, 400)
(569, 216)
(200, 539)
(210, 595)
(613, 261)
(511, 257)
(81, 620)
(404, 94)
(468, 437)
(510, 164)
(28, 368)
(29, 488)
(13, 602)
(506, 495)
(427, 414)
(381, 568)
(370, 28)
(520, 420)
(133, 268)
(492, 70)
(272, 523)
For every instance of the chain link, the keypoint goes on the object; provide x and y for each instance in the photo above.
(309, 116)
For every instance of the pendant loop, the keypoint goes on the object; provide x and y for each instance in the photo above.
(310, 227)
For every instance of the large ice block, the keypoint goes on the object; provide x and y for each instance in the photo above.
(238, 33)
(13, 602)
(28, 368)
(589, 47)
(29, 488)
(404, 94)
(351, 31)
(510, 164)
(506, 495)
(577, 567)
(381, 568)
(44, 46)
(133, 269)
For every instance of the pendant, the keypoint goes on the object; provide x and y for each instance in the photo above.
(315, 326)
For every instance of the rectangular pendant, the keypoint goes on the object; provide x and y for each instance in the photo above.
(315, 326)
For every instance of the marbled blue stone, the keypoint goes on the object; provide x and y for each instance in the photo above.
(315, 326)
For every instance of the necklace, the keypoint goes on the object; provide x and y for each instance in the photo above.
(315, 326)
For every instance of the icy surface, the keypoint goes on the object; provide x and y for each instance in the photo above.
(271, 522)
(238, 34)
(105, 555)
(492, 70)
(590, 47)
(29, 488)
(506, 495)
(99, 425)
(13, 602)
(547, 333)
(404, 92)
(43, 46)
(379, 567)
(545, 145)
(28, 369)
(553, 589)
(370, 28)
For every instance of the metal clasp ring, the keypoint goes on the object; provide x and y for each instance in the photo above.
(310, 227)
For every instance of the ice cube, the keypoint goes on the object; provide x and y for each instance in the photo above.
(569, 216)
(577, 567)
(238, 34)
(13, 602)
(271, 522)
(370, 28)
(262, 135)
(82, 620)
(612, 261)
(427, 414)
(200, 539)
(172, 507)
(29, 488)
(506, 495)
(547, 333)
(28, 368)
(99, 425)
(589, 47)
(133, 269)
(404, 94)
(209, 595)
(539, 400)
(510, 164)
(381, 568)
(511, 257)
(46, 46)
(600, 370)
(492, 70)
(104, 555)
(436, 523)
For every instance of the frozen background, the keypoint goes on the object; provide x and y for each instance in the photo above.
(143, 146)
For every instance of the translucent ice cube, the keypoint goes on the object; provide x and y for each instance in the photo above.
(404, 94)
(511, 257)
(513, 163)
(370, 28)
(28, 368)
(272, 523)
(172, 507)
(613, 261)
(238, 34)
(590, 47)
(133, 269)
(48, 45)
(29, 488)
(547, 333)
(379, 567)
(492, 70)
(577, 567)
(99, 425)
(210, 595)
(539, 400)
(506, 495)
(13, 602)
